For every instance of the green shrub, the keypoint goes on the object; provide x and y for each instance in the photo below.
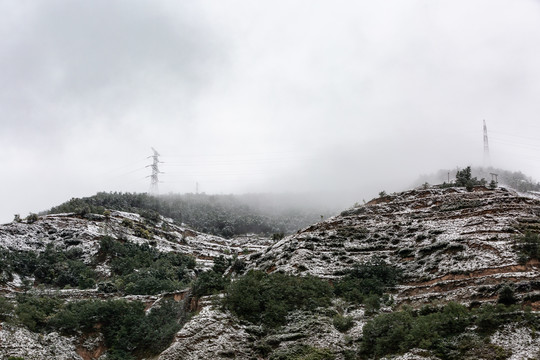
(221, 263)
(127, 223)
(6, 308)
(34, 312)
(142, 232)
(303, 352)
(160, 326)
(506, 296)
(278, 236)
(373, 304)
(263, 348)
(142, 269)
(386, 333)
(148, 281)
(469, 346)
(528, 247)
(151, 216)
(268, 298)
(465, 179)
(442, 330)
(52, 266)
(363, 280)
(404, 330)
(127, 329)
(116, 354)
(490, 317)
(32, 218)
(342, 323)
(208, 283)
(238, 265)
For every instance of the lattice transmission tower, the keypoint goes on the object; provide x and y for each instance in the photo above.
(154, 180)
(487, 160)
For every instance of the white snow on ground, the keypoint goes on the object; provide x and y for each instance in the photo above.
(459, 242)
(414, 354)
(69, 231)
(451, 240)
(210, 334)
(19, 342)
(522, 342)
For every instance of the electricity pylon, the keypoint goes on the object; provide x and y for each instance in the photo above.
(487, 160)
(155, 172)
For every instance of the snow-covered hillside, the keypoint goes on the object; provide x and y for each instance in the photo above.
(451, 244)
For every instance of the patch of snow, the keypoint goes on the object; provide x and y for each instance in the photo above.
(519, 340)
(19, 342)
(16, 282)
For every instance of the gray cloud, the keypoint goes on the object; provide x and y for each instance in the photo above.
(78, 62)
(261, 96)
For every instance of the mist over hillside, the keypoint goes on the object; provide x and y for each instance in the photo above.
(240, 180)
(260, 213)
(455, 267)
(516, 180)
(224, 215)
(249, 96)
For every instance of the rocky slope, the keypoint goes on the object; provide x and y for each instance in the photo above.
(451, 244)
(67, 231)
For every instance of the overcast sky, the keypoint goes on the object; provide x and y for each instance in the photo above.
(258, 96)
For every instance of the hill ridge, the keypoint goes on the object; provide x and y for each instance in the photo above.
(435, 235)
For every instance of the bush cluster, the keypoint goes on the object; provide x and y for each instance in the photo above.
(465, 179)
(34, 312)
(215, 281)
(437, 329)
(6, 309)
(142, 269)
(128, 331)
(267, 298)
(52, 267)
(528, 247)
(136, 269)
(32, 218)
(208, 283)
(224, 215)
(303, 352)
(367, 281)
(342, 323)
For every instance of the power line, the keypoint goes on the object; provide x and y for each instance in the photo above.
(517, 136)
(517, 144)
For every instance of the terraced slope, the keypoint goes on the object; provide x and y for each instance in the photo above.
(451, 244)
(73, 234)
(67, 231)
